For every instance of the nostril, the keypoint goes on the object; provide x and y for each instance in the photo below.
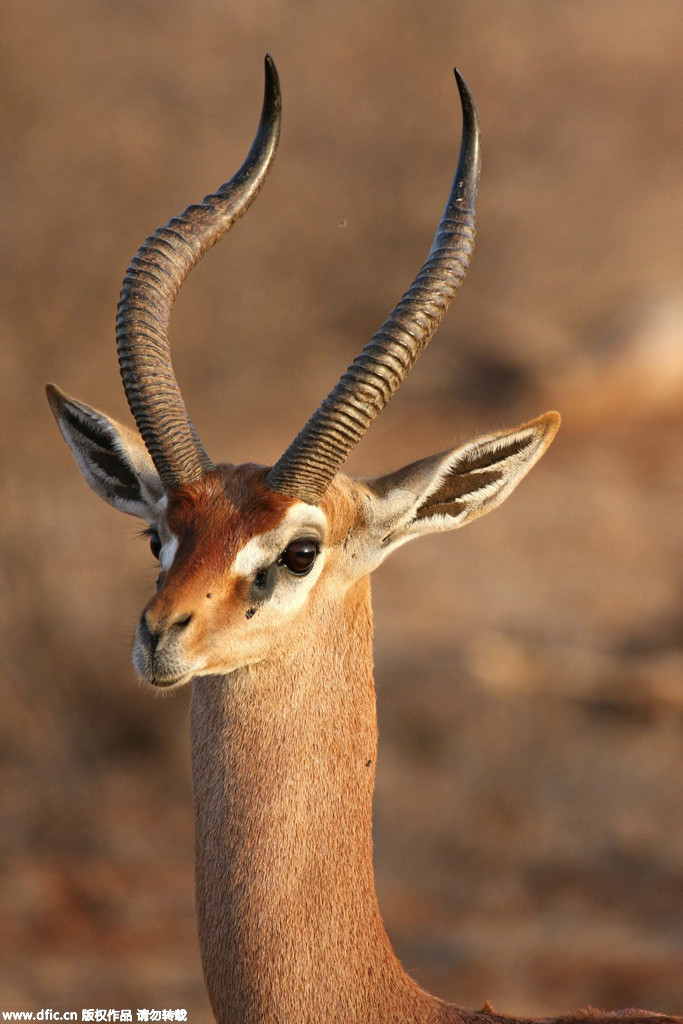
(181, 621)
(153, 629)
(148, 634)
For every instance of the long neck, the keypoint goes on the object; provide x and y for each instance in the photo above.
(284, 765)
(283, 760)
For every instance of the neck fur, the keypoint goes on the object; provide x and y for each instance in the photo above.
(284, 765)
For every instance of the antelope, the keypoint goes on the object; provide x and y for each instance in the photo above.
(263, 605)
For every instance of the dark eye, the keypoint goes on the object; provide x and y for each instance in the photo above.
(154, 543)
(299, 556)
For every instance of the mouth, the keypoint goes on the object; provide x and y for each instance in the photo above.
(165, 667)
(168, 682)
(157, 669)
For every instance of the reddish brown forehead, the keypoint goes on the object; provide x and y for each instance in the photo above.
(223, 510)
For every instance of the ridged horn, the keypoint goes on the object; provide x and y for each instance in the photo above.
(150, 287)
(316, 454)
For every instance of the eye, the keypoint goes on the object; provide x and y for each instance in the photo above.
(299, 556)
(154, 543)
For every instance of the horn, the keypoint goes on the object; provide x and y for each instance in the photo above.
(150, 287)
(314, 457)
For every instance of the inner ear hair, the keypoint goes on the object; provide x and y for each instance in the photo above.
(103, 448)
(459, 484)
(478, 476)
(112, 458)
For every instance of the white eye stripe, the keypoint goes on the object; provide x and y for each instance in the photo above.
(261, 551)
(168, 552)
(258, 553)
(255, 555)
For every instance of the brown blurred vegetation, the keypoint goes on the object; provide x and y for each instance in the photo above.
(529, 810)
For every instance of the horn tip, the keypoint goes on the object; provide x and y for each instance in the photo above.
(466, 95)
(461, 80)
(272, 101)
(272, 76)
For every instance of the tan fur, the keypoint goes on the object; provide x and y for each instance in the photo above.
(283, 758)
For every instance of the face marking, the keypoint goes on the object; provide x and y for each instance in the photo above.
(221, 561)
(300, 521)
(273, 587)
(168, 552)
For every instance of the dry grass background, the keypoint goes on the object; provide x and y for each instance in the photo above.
(529, 808)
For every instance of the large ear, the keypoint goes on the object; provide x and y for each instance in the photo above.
(113, 459)
(448, 490)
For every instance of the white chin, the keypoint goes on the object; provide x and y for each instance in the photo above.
(144, 667)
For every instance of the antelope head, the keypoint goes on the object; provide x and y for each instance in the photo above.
(246, 551)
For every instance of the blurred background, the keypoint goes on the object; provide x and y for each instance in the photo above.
(529, 808)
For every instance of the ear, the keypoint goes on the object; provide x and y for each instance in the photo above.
(448, 490)
(113, 459)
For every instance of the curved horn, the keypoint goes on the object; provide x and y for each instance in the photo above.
(314, 457)
(150, 287)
